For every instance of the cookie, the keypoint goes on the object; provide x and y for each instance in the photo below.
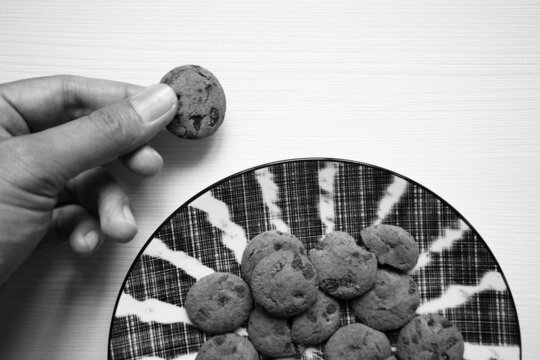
(358, 341)
(392, 245)
(429, 337)
(271, 336)
(219, 303)
(390, 304)
(284, 283)
(318, 323)
(265, 244)
(345, 270)
(201, 102)
(227, 347)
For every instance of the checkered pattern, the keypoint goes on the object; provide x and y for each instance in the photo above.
(488, 318)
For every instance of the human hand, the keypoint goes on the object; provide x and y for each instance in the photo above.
(55, 133)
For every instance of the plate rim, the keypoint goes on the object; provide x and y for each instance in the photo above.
(307, 159)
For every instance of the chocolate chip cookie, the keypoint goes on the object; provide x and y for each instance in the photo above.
(429, 337)
(358, 341)
(392, 245)
(284, 283)
(201, 101)
(345, 270)
(219, 303)
(265, 244)
(318, 323)
(390, 304)
(271, 336)
(227, 347)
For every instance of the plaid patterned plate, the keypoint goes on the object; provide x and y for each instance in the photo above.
(457, 274)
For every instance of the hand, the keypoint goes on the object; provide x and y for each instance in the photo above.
(55, 133)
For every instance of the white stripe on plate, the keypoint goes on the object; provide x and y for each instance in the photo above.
(456, 295)
(391, 197)
(151, 310)
(193, 267)
(234, 236)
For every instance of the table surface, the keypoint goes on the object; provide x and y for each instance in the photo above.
(446, 93)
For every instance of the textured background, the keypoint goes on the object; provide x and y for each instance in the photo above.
(446, 93)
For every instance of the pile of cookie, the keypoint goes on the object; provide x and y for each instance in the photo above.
(292, 299)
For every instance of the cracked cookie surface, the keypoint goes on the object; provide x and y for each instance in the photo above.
(201, 102)
(393, 246)
(318, 323)
(345, 270)
(227, 347)
(219, 303)
(390, 304)
(284, 283)
(429, 337)
(265, 244)
(271, 336)
(358, 341)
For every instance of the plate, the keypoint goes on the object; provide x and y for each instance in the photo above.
(457, 274)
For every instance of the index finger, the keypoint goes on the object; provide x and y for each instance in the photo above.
(44, 102)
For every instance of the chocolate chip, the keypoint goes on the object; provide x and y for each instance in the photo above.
(223, 300)
(296, 264)
(308, 272)
(331, 308)
(311, 316)
(197, 120)
(220, 339)
(203, 315)
(240, 290)
(330, 285)
(446, 324)
(214, 116)
(277, 247)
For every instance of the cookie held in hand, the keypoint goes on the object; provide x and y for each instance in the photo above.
(201, 102)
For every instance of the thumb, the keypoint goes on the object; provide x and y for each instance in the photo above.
(62, 152)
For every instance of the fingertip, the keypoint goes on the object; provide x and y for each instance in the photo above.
(86, 238)
(120, 226)
(145, 161)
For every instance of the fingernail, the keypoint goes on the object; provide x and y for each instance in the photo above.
(154, 102)
(128, 215)
(92, 239)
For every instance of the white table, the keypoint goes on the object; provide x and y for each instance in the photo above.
(446, 93)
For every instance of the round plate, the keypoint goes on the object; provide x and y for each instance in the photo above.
(457, 274)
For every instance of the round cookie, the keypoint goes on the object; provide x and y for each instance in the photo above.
(265, 244)
(284, 283)
(271, 336)
(358, 341)
(219, 303)
(429, 337)
(345, 270)
(318, 323)
(201, 101)
(227, 347)
(390, 304)
(392, 245)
